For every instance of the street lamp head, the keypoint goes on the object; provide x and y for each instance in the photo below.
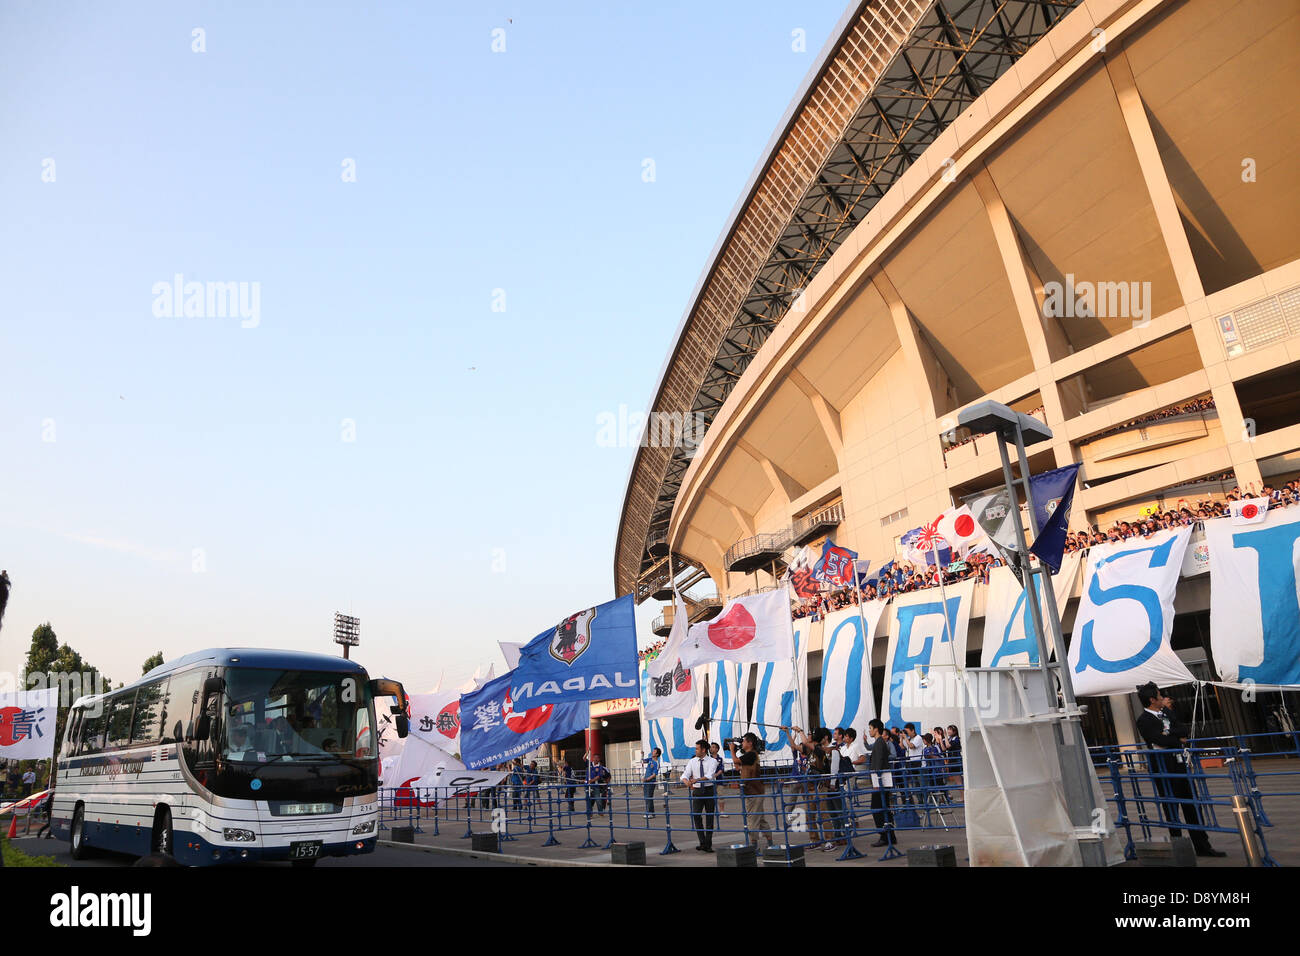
(996, 418)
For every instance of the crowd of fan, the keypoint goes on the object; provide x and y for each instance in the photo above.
(907, 577)
(1184, 515)
(1173, 411)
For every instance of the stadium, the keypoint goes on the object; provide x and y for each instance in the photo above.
(1085, 211)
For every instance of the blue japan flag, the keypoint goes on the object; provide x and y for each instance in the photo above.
(1051, 494)
(493, 731)
(590, 655)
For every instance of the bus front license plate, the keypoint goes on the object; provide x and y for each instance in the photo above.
(304, 850)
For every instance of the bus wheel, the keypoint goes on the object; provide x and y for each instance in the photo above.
(162, 833)
(302, 864)
(79, 848)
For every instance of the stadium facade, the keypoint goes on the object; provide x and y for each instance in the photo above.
(1085, 210)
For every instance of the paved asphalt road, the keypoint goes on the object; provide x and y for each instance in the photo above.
(383, 856)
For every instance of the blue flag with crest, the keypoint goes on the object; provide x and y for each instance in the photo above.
(1050, 495)
(590, 655)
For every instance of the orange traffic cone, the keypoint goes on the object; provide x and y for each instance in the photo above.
(13, 824)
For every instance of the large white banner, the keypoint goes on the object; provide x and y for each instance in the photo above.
(728, 713)
(781, 698)
(756, 627)
(1126, 614)
(1009, 639)
(921, 684)
(435, 719)
(1254, 606)
(847, 699)
(27, 724)
(422, 765)
(674, 736)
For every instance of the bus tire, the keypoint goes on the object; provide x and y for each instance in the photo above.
(79, 849)
(162, 843)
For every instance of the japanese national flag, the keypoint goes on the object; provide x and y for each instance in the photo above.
(959, 528)
(1249, 510)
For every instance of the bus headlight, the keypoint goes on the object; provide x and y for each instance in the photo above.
(364, 827)
(235, 835)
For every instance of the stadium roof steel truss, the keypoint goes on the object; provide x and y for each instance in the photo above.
(897, 74)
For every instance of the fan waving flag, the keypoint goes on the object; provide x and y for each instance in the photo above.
(920, 544)
(836, 565)
(493, 730)
(590, 655)
(1051, 494)
(757, 627)
(959, 528)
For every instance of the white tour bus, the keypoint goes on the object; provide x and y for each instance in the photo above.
(227, 755)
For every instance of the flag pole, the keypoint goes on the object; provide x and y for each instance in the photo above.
(974, 702)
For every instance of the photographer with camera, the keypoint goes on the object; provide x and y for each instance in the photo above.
(744, 758)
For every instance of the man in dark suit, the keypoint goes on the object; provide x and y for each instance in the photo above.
(881, 781)
(1163, 731)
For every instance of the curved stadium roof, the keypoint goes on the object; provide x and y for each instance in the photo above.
(893, 76)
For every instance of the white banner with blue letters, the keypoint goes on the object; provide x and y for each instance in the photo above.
(781, 698)
(1009, 639)
(922, 687)
(1254, 606)
(846, 698)
(1126, 615)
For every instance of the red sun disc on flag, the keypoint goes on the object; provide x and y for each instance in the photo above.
(521, 722)
(1249, 511)
(7, 725)
(964, 525)
(734, 630)
(448, 720)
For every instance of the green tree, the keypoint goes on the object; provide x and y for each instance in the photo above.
(44, 649)
(47, 656)
(152, 662)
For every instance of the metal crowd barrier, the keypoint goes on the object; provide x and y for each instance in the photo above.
(812, 811)
(796, 812)
(1153, 790)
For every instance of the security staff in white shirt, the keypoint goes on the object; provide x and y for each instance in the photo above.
(698, 777)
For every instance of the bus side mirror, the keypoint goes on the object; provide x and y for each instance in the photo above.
(203, 726)
(385, 687)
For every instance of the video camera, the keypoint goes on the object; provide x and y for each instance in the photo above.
(734, 745)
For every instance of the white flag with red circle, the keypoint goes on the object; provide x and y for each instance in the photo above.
(757, 627)
(1249, 510)
(960, 529)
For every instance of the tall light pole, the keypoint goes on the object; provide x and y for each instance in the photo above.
(1071, 749)
(347, 631)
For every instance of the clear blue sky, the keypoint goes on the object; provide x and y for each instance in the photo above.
(475, 430)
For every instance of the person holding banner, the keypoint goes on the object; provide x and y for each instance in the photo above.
(1163, 731)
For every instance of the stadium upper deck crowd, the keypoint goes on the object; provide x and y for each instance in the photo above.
(907, 577)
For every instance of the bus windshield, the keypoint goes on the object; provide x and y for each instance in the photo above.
(289, 714)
